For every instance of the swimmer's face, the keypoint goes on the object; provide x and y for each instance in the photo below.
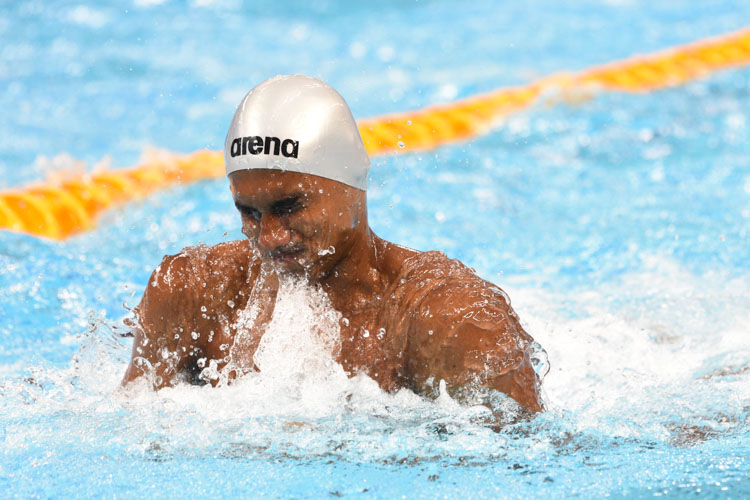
(301, 223)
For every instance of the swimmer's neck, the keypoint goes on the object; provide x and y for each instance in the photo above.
(360, 270)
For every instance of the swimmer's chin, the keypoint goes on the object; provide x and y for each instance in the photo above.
(299, 262)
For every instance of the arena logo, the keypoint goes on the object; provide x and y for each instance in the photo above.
(256, 145)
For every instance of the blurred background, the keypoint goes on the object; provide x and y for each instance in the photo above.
(107, 80)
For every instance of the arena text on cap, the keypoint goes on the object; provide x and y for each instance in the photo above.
(256, 145)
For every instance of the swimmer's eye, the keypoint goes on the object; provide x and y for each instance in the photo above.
(286, 206)
(247, 211)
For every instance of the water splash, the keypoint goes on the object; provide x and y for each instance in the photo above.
(618, 382)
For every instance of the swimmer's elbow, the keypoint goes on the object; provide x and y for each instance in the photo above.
(513, 373)
(523, 386)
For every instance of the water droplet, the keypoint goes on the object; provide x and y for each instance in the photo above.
(366, 333)
(345, 321)
(230, 303)
(195, 335)
(401, 144)
(203, 308)
(328, 251)
(381, 333)
(539, 360)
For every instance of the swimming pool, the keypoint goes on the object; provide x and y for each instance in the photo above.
(618, 225)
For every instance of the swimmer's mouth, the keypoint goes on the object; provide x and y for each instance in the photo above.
(287, 254)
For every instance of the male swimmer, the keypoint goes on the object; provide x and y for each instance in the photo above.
(298, 175)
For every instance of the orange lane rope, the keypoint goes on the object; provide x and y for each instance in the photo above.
(70, 206)
(437, 125)
(61, 209)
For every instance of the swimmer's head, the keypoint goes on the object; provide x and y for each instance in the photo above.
(299, 223)
(298, 124)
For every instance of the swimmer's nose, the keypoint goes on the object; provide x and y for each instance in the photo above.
(273, 234)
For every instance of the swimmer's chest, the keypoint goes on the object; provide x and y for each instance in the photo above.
(373, 344)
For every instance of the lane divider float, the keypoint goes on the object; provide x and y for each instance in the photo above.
(63, 208)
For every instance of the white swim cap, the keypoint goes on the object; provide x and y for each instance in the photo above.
(299, 124)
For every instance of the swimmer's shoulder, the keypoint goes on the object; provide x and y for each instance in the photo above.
(182, 290)
(416, 273)
(427, 279)
(425, 272)
(230, 261)
(445, 292)
(201, 268)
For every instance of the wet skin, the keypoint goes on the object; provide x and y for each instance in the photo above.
(411, 319)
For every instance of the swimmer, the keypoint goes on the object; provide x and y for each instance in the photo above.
(298, 175)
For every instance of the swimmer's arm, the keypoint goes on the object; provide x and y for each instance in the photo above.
(163, 321)
(471, 347)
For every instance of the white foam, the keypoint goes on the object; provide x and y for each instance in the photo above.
(637, 353)
(303, 337)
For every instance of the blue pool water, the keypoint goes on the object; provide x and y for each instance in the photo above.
(618, 225)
